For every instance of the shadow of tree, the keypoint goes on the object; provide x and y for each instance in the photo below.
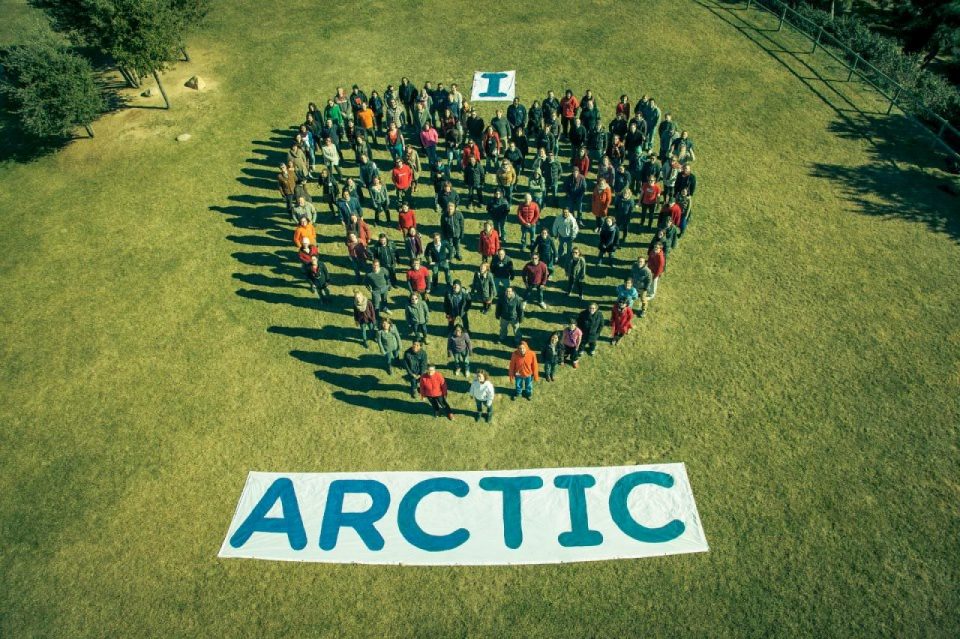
(905, 177)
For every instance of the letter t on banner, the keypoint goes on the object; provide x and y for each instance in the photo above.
(494, 86)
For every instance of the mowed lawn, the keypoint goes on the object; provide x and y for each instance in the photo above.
(801, 357)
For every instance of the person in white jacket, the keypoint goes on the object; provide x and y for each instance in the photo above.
(481, 390)
(565, 229)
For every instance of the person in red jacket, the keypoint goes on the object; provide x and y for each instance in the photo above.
(418, 279)
(470, 150)
(402, 176)
(670, 210)
(621, 320)
(568, 111)
(306, 254)
(581, 162)
(656, 262)
(433, 387)
(602, 197)
(489, 242)
(529, 215)
(535, 276)
(649, 196)
(406, 219)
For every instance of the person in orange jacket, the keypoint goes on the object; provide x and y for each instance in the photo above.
(524, 371)
(602, 197)
(433, 387)
(306, 229)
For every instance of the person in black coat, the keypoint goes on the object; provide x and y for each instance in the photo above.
(438, 256)
(590, 322)
(609, 238)
(456, 306)
(499, 210)
(474, 177)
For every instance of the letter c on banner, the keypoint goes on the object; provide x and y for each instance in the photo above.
(625, 521)
(511, 487)
(291, 523)
(407, 515)
(334, 518)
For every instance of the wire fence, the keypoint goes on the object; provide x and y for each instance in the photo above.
(946, 136)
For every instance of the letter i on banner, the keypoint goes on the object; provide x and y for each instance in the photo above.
(494, 86)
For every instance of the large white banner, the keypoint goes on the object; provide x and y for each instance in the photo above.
(494, 86)
(467, 518)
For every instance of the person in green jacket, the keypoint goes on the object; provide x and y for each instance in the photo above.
(418, 316)
(415, 364)
(537, 186)
(576, 272)
(388, 338)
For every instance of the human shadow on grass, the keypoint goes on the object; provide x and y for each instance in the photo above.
(257, 240)
(259, 279)
(329, 332)
(392, 404)
(258, 183)
(368, 360)
(278, 298)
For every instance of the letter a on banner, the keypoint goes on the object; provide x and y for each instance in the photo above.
(494, 86)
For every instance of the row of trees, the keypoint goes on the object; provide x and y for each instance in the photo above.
(926, 29)
(52, 88)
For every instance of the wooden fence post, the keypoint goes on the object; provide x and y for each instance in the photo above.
(782, 17)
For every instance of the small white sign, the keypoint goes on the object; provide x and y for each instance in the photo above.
(494, 86)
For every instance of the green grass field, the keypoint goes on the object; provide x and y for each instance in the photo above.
(802, 357)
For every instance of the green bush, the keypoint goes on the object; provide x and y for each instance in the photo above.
(51, 89)
(884, 53)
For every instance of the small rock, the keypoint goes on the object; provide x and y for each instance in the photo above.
(147, 93)
(183, 137)
(195, 83)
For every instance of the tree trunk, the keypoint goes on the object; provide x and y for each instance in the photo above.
(128, 76)
(930, 57)
(89, 129)
(833, 7)
(166, 100)
(186, 56)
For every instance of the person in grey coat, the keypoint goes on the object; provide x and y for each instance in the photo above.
(510, 313)
(484, 288)
(368, 171)
(642, 281)
(378, 281)
(417, 314)
(451, 228)
(388, 339)
(459, 349)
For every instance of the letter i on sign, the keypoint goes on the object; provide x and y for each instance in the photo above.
(498, 86)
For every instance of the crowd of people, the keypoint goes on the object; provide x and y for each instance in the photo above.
(629, 174)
